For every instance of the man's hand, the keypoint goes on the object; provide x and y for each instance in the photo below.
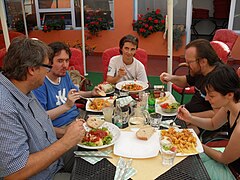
(121, 72)
(73, 95)
(74, 133)
(165, 77)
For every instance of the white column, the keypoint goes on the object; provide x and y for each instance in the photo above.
(4, 24)
(170, 39)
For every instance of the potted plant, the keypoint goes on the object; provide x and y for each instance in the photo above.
(54, 24)
(152, 22)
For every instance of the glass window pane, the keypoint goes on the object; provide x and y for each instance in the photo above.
(179, 10)
(45, 4)
(236, 20)
(94, 8)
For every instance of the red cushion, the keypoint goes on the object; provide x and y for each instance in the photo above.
(77, 60)
(226, 36)
(188, 90)
(221, 49)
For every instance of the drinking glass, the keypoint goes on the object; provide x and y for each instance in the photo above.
(108, 113)
(168, 156)
(155, 120)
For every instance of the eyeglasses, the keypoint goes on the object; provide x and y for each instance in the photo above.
(48, 67)
(189, 62)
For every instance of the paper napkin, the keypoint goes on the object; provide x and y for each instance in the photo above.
(92, 160)
(121, 166)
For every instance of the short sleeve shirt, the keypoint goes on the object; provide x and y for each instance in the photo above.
(136, 70)
(25, 128)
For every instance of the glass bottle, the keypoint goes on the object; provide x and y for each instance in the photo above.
(118, 115)
(151, 102)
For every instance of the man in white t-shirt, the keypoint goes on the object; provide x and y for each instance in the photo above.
(124, 66)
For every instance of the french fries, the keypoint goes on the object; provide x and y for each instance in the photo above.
(184, 141)
(98, 104)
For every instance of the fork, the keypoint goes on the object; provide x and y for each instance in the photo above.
(128, 165)
(171, 124)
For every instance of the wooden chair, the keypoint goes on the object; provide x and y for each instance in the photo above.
(141, 55)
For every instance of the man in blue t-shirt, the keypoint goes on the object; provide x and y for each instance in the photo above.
(58, 93)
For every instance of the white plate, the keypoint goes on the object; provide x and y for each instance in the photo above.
(143, 84)
(169, 100)
(110, 92)
(199, 147)
(89, 103)
(113, 129)
(128, 145)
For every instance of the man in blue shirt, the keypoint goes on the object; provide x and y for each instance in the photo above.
(58, 93)
(29, 146)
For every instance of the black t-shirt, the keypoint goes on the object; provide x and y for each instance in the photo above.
(198, 102)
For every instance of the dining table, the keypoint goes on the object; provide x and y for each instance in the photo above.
(185, 167)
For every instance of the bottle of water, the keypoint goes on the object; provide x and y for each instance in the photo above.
(118, 115)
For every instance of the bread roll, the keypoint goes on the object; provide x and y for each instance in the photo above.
(94, 122)
(145, 133)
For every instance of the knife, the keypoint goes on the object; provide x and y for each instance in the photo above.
(96, 156)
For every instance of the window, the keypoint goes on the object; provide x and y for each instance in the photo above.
(179, 10)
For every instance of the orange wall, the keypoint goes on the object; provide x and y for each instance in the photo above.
(123, 12)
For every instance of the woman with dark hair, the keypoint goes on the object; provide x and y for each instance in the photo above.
(124, 66)
(223, 91)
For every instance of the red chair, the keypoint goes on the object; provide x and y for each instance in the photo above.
(223, 42)
(76, 63)
(2, 54)
(180, 90)
(141, 55)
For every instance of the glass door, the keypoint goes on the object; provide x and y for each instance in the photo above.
(234, 17)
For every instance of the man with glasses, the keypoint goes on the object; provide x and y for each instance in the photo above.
(124, 66)
(29, 146)
(202, 60)
(58, 93)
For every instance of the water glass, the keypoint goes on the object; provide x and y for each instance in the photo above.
(168, 156)
(108, 113)
(155, 120)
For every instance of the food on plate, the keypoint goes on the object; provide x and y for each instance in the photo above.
(99, 103)
(101, 93)
(170, 107)
(106, 87)
(94, 122)
(162, 99)
(167, 144)
(145, 133)
(132, 87)
(184, 140)
(97, 137)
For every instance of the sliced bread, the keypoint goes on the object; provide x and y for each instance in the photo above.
(94, 122)
(145, 133)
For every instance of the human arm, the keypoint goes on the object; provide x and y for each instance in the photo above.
(206, 123)
(231, 152)
(180, 81)
(114, 79)
(39, 161)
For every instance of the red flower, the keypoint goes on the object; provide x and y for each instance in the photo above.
(150, 18)
(163, 21)
(146, 25)
(134, 21)
(155, 21)
(100, 19)
(62, 17)
(158, 11)
(150, 28)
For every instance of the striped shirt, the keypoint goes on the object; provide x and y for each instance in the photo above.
(25, 128)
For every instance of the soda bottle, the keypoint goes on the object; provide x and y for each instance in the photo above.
(151, 102)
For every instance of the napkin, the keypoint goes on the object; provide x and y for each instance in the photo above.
(92, 160)
(125, 100)
(121, 166)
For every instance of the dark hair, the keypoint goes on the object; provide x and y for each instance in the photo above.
(57, 47)
(23, 53)
(128, 38)
(205, 50)
(224, 80)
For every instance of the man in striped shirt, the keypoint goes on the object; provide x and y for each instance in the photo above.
(29, 147)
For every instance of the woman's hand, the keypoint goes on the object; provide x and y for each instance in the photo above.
(184, 114)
